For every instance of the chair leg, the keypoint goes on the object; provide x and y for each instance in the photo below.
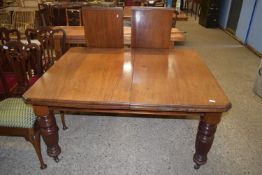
(34, 139)
(62, 113)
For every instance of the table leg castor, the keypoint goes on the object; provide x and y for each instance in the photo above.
(196, 167)
(56, 159)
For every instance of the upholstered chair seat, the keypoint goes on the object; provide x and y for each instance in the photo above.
(18, 119)
(15, 113)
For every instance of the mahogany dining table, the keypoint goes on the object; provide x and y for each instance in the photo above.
(161, 83)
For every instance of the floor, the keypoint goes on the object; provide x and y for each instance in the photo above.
(99, 145)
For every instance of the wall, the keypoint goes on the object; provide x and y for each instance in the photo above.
(254, 38)
(224, 11)
(244, 19)
(249, 28)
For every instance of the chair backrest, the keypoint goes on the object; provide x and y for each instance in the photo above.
(7, 35)
(151, 27)
(46, 16)
(22, 20)
(103, 27)
(25, 62)
(5, 19)
(73, 17)
(45, 36)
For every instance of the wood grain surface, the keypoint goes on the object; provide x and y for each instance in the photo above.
(151, 27)
(138, 79)
(85, 77)
(103, 27)
(174, 80)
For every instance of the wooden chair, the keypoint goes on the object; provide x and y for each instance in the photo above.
(25, 62)
(45, 36)
(7, 35)
(46, 16)
(5, 20)
(73, 17)
(21, 20)
(151, 27)
(17, 118)
(103, 27)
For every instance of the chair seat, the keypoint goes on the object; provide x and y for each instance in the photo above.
(15, 113)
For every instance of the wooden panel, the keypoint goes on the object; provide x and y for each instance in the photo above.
(175, 80)
(85, 78)
(103, 27)
(151, 27)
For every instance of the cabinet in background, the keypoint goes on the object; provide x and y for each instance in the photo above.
(209, 13)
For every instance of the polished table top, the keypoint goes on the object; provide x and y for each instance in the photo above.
(138, 79)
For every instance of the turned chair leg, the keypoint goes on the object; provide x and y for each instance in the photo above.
(62, 113)
(34, 139)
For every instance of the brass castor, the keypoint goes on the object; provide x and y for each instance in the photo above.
(43, 166)
(65, 127)
(56, 159)
(197, 166)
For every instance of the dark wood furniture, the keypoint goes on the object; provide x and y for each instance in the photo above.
(156, 82)
(151, 27)
(58, 10)
(209, 13)
(8, 35)
(45, 36)
(16, 118)
(45, 15)
(73, 17)
(103, 27)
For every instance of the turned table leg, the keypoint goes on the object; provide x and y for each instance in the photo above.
(48, 130)
(205, 136)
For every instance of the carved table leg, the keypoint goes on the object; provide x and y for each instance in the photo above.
(205, 136)
(48, 130)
